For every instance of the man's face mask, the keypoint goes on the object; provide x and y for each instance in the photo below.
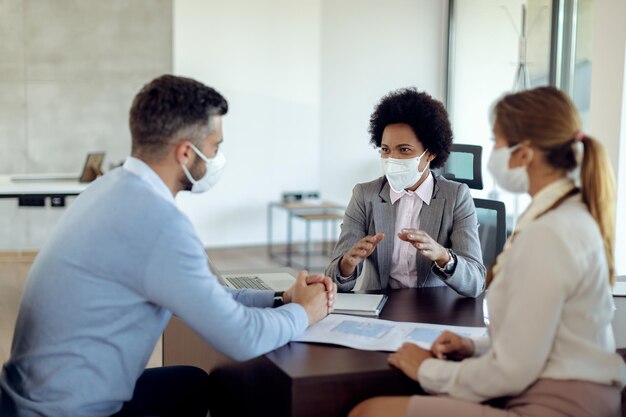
(214, 171)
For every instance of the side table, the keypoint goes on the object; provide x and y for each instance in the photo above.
(325, 212)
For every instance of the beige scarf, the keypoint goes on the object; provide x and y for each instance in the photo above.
(544, 201)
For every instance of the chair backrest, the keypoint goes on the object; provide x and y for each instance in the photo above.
(491, 228)
(464, 165)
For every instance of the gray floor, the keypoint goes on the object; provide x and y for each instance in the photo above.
(14, 269)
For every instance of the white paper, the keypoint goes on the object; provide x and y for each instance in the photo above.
(374, 334)
(619, 289)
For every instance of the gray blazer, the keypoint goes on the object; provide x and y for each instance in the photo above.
(450, 219)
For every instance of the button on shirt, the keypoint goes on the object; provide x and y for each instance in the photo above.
(403, 273)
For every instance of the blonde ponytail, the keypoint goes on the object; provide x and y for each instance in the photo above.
(598, 194)
(548, 119)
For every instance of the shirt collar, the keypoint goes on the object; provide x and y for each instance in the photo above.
(424, 191)
(142, 170)
(543, 200)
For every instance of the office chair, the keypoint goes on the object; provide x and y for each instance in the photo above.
(491, 228)
(464, 165)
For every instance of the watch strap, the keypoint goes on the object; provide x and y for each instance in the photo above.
(278, 299)
(448, 268)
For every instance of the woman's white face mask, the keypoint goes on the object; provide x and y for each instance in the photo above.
(214, 171)
(514, 180)
(403, 173)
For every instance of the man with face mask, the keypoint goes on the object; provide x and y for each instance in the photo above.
(122, 260)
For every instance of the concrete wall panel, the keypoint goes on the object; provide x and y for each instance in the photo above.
(13, 143)
(11, 41)
(81, 39)
(68, 72)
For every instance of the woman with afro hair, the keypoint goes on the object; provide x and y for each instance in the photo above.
(414, 227)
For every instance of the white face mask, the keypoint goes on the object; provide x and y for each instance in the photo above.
(403, 173)
(514, 180)
(214, 171)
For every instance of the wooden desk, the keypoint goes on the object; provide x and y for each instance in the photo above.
(317, 380)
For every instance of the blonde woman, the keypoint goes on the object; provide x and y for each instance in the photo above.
(550, 350)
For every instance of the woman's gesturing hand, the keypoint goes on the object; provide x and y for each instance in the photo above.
(361, 250)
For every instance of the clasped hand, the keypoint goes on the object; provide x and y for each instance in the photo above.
(316, 293)
(448, 345)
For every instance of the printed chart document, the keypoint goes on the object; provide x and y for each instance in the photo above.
(374, 334)
(368, 305)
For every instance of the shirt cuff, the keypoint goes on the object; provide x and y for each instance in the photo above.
(441, 274)
(481, 345)
(434, 374)
(341, 279)
(264, 298)
(251, 297)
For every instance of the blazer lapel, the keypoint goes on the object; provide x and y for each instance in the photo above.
(430, 222)
(384, 221)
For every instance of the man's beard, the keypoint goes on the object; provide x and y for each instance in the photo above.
(197, 171)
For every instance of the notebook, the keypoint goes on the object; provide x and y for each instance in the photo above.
(91, 170)
(276, 281)
(369, 305)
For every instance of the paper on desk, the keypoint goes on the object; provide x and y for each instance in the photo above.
(374, 334)
(619, 289)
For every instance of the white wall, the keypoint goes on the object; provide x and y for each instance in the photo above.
(484, 67)
(68, 73)
(264, 56)
(301, 77)
(369, 48)
(607, 118)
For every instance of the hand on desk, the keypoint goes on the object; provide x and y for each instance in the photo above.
(409, 358)
(448, 345)
(316, 293)
(452, 346)
(359, 251)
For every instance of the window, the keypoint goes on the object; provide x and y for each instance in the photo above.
(498, 47)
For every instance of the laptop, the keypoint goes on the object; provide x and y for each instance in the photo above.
(91, 170)
(368, 305)
(276, 281)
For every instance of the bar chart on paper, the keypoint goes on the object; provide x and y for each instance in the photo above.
(374, 334)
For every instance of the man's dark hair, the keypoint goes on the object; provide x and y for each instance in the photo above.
(170, 109)
(427, 117)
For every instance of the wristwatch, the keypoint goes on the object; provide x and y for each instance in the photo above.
(448, 268)
(278, 299)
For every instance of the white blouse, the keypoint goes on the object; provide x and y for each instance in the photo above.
(550, 310)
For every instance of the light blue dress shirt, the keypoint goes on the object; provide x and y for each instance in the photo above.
(121, 260)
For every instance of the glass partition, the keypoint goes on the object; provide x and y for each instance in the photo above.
(497, 47)
(491, 42)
